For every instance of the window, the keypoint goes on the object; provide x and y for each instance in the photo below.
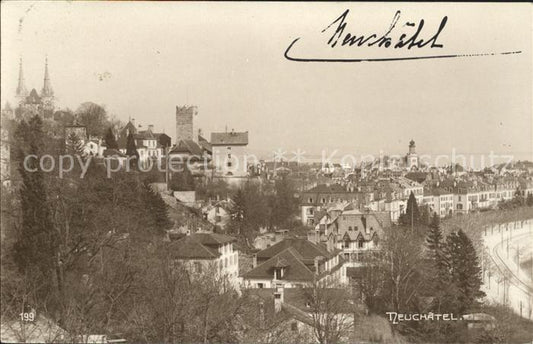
(310, 200)
(229, 163)
(260, 285)
(350, 228)
(229, 148)
(360, 244)
(346, 244)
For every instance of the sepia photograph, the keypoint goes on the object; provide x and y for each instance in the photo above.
(266, 172)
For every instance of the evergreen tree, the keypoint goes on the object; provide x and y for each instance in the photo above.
(238, 211)
(36, 244)
(283, 203)
(438, 270)
(465, 272)
(412, 215)
(131, 150)
(249, 212)
(425, 215)
(157, 209)
(109, 139)
(434, 237)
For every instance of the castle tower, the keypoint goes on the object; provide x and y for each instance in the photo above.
(184, 122)
(21, 92)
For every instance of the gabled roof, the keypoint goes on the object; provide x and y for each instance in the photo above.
(212, 238)
(204, 144)
(294, 268)
(306, 249)
(128, 128)
(199, 246)
(231, 138)
(188, 147)
(145, 135)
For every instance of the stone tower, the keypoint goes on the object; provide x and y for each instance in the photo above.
(184, 122)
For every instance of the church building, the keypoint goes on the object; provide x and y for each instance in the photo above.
(33, 102)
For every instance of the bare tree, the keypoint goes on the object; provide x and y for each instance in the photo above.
(333, 311)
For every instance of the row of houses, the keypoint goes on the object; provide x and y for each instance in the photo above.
(390, 195)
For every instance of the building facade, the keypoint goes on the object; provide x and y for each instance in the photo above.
(209, 253)
(230, 153)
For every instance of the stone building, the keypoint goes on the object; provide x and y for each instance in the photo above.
(229, 153)
(184, 122)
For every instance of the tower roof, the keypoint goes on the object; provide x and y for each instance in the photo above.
(21, 87)
(47, 90)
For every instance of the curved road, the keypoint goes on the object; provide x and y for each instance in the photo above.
(519, 278)
(514, 287)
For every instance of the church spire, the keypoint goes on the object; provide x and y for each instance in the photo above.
(21, 92)
(47, 90)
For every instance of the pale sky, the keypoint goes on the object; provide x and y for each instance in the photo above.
(142, 59)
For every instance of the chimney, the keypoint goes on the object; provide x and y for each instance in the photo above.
(254, 261)
(151, 127)
(278, 298)
(133, 122)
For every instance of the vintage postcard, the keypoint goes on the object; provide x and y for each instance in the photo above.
(256, 173)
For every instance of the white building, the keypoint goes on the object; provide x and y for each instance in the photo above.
(207, 253)
(229, 153)
(294, 263)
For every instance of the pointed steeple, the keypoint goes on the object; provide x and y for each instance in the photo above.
(47, 90)
(21, 92)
